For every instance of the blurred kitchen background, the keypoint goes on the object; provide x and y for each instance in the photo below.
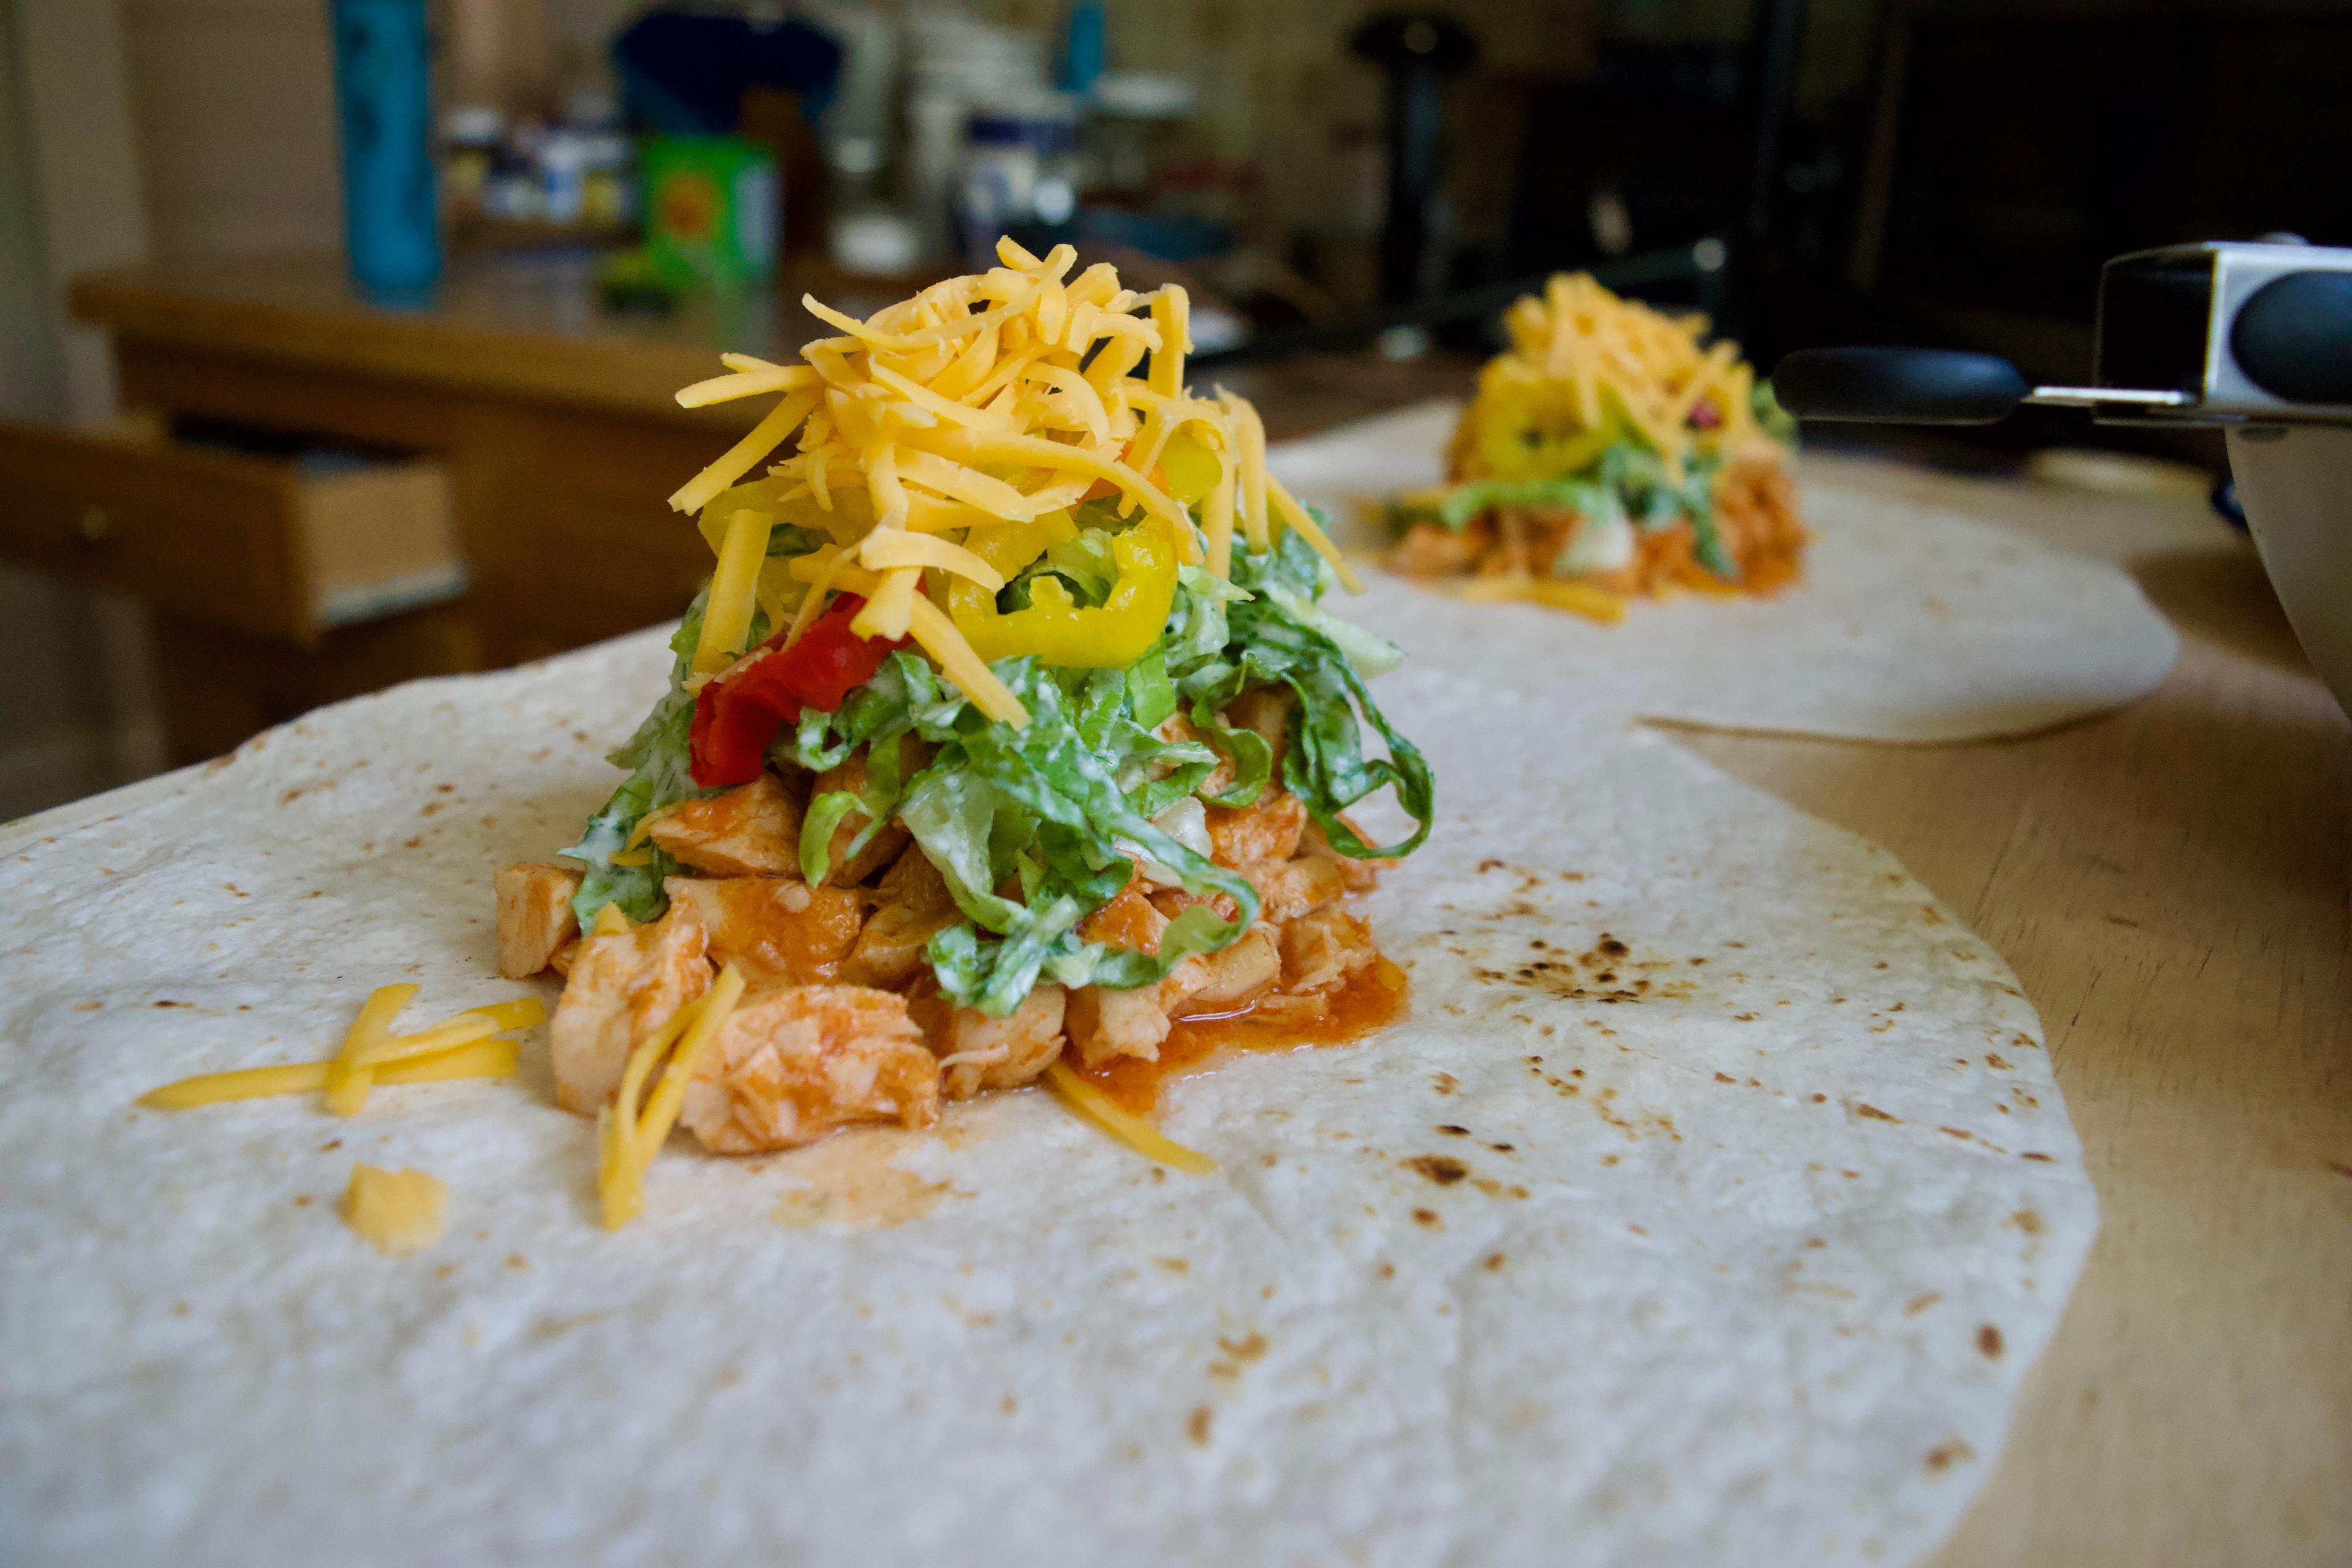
(265, 446)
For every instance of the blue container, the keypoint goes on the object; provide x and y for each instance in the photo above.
(384, 91)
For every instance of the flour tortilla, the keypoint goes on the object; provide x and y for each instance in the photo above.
(1774, 1240)
(1914, 622)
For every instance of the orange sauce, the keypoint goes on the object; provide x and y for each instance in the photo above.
(1371, 999)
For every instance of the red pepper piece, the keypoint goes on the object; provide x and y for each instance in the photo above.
(737, 715)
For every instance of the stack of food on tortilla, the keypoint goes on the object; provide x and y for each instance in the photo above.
(1010, 728)
(1609, 453)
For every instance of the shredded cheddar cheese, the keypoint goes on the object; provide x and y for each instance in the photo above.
(349, 1075)
(1137, 1134)
(627, 1138)
(1581, 598)
(1581, 358)
(983, 401)
(396, 1212)
(457, 1048)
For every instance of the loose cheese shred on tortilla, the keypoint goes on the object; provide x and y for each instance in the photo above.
(456, 1047)
(996, 397)
(1584, 598)
(1146, 1140)
(348, 1076)
(399, 1211)
(626, 1139)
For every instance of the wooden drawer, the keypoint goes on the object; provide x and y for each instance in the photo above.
(278, 548)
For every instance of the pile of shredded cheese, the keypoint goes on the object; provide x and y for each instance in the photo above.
(1577, 338)
(984, 400)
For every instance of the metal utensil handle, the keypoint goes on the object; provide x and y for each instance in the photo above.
(1898, 386)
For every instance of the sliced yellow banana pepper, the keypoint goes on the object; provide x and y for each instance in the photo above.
(1054, 628)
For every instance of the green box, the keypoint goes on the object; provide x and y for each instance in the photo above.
(712, 209)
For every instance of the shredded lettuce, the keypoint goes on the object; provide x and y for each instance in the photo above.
(1032, 829)
(1628, 482)
(657, 757)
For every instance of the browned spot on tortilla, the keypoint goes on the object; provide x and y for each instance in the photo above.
(1744, 1017)
(1495, 1261)
(1428, 1217)
(1452, 1131)
(1815, 1242)
(1443, 1169)
(1725, 1077)
(412, 842)
(543, 1329)
(431, 807)
(516, 1260)
(1008, 1405)
(1174, 1265)
(1387, 1271)
(1637, 1229)
(1444, 1082)
(1994, 1060)
(180, 1309)
(1951, 1452)
(873, 1198)
(1197, 1424)
(1957, 1133)
(1988, 1342)
(330, 1146)
(2046, 1159)
(1502, 1148)
(1610, 1159)
(1874, 1114)
(1239, 1354)
(303, 1202)
(88, 1006)
(175, 1004)
(1918, 1304)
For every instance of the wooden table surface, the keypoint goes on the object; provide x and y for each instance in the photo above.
(2170, 882)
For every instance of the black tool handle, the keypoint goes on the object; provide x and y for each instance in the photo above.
(1898, 386)
(2293, 337)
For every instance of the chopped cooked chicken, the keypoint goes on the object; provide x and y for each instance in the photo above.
(789, 1065)
(1174, 901)
(977, 1052)
(1288, 889)
(1360, 876)
(535, 917)
(1176, 727)
(1104, 1024)
(1128, 921)
(623, 987)
(1267, 710)
(842, 868)
(1319, 950)
(915, 907)
(1238, 974)
(753, 831)
(780, 929)
(561, 959)
(1247, 836)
